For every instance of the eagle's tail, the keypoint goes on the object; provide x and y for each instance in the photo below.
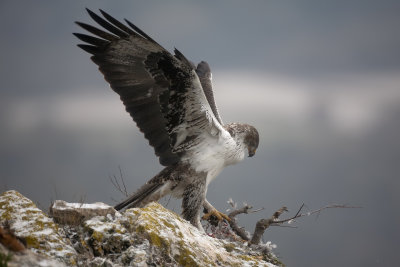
(156, 188)
(145, 194)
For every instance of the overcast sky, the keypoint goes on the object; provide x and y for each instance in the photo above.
(319, 79)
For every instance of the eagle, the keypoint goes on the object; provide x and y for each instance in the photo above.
(172, 102)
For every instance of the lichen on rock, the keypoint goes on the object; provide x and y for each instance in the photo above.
(149, 236)
(106, 235)
(185, 243)
(42, 235)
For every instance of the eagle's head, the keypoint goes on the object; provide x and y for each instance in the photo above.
(251, 140)
(246, 135)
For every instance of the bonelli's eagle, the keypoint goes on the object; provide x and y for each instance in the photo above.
(171, 100)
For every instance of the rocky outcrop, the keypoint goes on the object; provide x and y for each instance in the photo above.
(76, 213)
(41, 234)
(151, 236)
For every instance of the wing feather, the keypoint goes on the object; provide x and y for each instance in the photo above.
(91, 49)
(117, 23)
(97, 31)
(161, 91)
(91, 40)
(115, 30)
(204, 72)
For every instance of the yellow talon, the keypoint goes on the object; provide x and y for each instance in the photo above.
(219, 215)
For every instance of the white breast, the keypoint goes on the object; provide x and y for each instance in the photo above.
(214, 154)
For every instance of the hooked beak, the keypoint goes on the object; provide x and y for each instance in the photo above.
(252, 152)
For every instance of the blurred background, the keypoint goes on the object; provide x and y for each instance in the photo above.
(319, 79)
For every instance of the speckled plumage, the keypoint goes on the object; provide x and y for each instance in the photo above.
(172, 103)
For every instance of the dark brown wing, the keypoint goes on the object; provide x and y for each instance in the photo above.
(161, 92)
(128, 57)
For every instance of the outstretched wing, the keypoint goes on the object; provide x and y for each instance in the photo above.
(204, 72)
(161, 92)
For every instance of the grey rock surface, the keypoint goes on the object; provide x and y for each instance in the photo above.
(149, 236)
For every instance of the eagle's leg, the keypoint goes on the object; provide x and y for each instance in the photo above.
(192, 202)
(211, 211)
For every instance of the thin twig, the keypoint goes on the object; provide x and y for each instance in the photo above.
(117, 185)
(257, 210)
(244, 209)
(286, 226)
(263, 224)
(122, 179)
(82, 200)
(299, 215)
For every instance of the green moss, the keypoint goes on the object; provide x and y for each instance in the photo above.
(32, 242)
(167, 224)
(228, 263)
(151, 228)
(155, 239)
(229, 247)
(148, 222)
(6, 216)
(119, 231)
(245, 257)
(95, 244)
(72, 261)
(153, 236)
(32, 212)
(97, 236)
(39, 231)
(5, 208)
(185, 258)
(4, 259)
(150, 219)
(274, 260)
(84, 244)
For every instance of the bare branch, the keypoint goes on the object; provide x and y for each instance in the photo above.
(263, 224)
(318, 211)
(240, 231)
(244, 209)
